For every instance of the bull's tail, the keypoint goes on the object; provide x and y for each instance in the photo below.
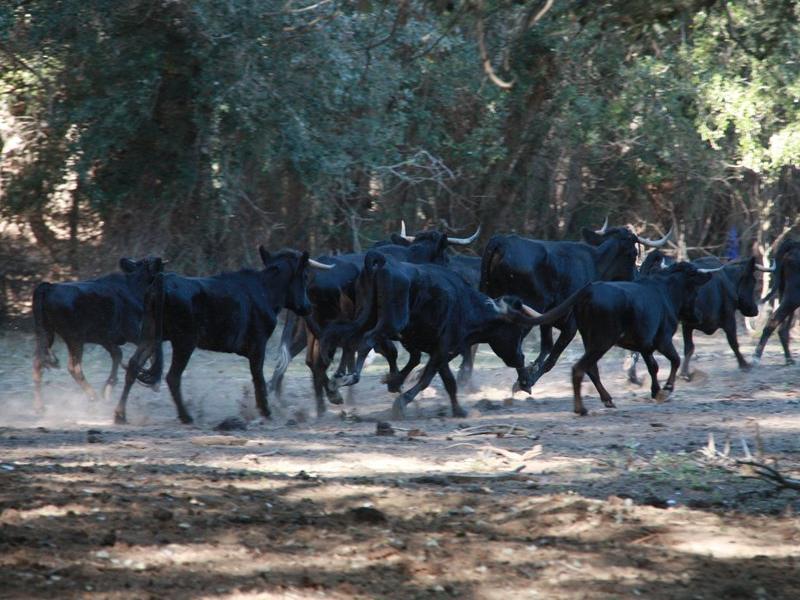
(554, 315)
(43, 336)
(287, 335)
(342, 333)
(777, 284)
(151, 343)
(491, 253)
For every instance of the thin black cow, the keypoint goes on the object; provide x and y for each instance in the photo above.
(230, 312)
(430, 309)
(105, 311)
(543, 274)
(640, 316)
(786, 286)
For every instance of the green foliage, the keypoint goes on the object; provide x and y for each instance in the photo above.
(198, 129)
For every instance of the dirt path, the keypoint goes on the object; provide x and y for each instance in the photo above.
(613, 505)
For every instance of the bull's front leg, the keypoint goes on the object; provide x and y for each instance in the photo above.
(668, 350)
(398, 408)
(564, 338)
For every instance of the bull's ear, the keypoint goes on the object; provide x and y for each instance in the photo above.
(126, 265)
(443, 243)
(304, 259)
(264, 253)
(158, 265)
(592, 237)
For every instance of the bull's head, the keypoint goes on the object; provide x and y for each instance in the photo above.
(142, 272)
(287, 269)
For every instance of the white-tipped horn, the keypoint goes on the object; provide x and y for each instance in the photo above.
(710, 270)
(408, 238)
(464, 241)
(531, 312)
(664, 264)
(770, 269)
(318, 265)
(602, 230)
(655, 243)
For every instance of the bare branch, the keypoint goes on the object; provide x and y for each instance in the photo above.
(536, 17)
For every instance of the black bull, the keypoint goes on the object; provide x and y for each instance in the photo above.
(334, 296)
(543, 274)
(730, 289)
(230, 312)
(105, 311)
(430, 309)
(786, 286)
(640, 316)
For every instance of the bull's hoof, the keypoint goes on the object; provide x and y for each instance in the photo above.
(789, 362)
(609, 403)
(335, 397)
(459, 412)
(662, 396)
(581, 412)
(120, 419)
(745, 366)
(399, 408)
(687, 376)
(756, 360)
(520, 387)
(393, 383)
(634, 380)
(344, 380)
(187, 419)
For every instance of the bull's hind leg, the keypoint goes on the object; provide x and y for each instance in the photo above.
(783, 335)
(75, 369)
(181, 353)
(467, 366)
(652, 368)
(398, 408)
(318, 377)
(783, 313)
(594, 375)
(39, 362)
(135, 363)
(631, 372)
(38, 405)
(450, 385)
(116, 359)
(688, 351)
(585, 364)
(730, 332)
(257, 373)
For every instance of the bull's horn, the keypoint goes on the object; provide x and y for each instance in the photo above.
(602, 230)
(464, 241)
(664, 264)
(408, 238)
(655, 243)
(710, 270)
(318, 265)
(531, 312)
(769, 269)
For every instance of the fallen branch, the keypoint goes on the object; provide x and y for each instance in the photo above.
(755, 469)
(498, 430)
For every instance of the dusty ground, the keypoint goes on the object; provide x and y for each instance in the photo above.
(612, 505)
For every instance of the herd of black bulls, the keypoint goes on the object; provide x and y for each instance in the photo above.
(415, 290)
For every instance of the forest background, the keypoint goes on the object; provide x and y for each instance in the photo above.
(198, 129)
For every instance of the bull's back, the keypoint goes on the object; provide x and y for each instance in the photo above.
(93, 313)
